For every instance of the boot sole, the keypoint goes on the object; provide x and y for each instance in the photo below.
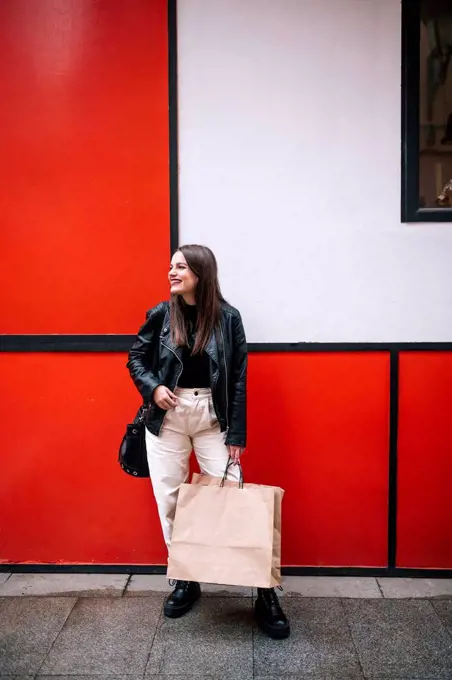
(274, 634)
(177, 612)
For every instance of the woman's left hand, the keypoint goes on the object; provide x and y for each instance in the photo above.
(235, 452)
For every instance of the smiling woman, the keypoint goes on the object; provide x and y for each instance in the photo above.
(182, 279)
(189, 363)
(193, 279)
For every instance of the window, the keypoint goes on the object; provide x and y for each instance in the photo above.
(427, 110)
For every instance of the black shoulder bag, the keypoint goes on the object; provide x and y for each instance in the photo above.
(132, 455)
(132, 452)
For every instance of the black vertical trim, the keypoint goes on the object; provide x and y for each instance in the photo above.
(393, 442)
(173, 126)
(410, 109)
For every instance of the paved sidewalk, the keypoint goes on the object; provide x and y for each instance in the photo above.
(111, 626)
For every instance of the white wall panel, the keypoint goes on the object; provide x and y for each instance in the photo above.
(289, 151)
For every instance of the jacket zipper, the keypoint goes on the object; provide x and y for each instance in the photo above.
(177, 379)
(226, 380)
(179, 360)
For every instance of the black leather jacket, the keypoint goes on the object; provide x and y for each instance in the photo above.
(155, 360)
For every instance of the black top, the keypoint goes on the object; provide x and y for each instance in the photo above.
(196, 372)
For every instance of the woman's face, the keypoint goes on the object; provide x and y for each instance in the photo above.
(183, 280)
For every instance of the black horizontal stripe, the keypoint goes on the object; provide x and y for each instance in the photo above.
(122, 343)
(66, 343)
(19, 568)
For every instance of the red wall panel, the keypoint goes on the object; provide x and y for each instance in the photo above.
(84, 178)
(424, 527)
(63, 496)
(318, 426)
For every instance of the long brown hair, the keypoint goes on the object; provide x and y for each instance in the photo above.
(202, 262)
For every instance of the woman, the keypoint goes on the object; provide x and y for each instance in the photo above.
(189, 364)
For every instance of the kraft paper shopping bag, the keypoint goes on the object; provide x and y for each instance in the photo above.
(207, 480)
(225, 533)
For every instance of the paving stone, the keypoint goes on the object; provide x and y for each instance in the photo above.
(16, 677)
(213, 590)
(123, 676)
(4, 576)
(330, 586)
(28, 628)
(403, 639)
(184, 676)
(70, 585)
(444, 610)
(105, 636)
(149, 584)
(416, 587)
(320, 643)
(304, 676)
(214, 640)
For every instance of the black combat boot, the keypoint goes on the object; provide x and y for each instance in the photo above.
(182, 599)
(269, 614)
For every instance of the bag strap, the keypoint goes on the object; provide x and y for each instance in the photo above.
(228, 465)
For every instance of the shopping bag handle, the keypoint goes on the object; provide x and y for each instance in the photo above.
(228, 465)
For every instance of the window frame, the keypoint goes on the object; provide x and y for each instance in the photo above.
(411, 36)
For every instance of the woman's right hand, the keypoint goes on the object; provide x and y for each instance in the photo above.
(164, 398)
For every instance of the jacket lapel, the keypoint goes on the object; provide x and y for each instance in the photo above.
(212, 349)
(166, 339)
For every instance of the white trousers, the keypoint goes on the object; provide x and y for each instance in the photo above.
(191, 425)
